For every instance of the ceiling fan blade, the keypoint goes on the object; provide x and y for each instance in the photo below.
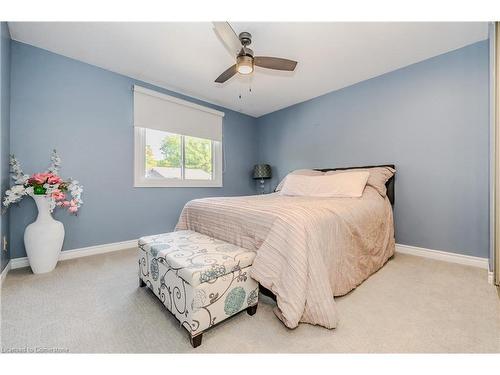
(228, 37)
(275, 63)
(228, 73)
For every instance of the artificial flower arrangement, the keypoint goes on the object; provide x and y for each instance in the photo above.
(60, 193)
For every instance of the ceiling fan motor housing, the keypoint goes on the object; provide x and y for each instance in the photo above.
(245, 38)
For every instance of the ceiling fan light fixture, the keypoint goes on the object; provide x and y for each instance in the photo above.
(244, 64)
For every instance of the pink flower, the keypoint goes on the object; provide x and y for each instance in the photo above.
(58, 195)
(53, 179)
(38, 179)
(73, 207)
(65, 204)
(42, 178)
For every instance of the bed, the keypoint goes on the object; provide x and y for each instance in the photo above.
(308, 249)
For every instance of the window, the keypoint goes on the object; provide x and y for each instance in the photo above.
(177, 143)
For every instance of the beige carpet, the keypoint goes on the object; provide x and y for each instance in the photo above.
(94, 305)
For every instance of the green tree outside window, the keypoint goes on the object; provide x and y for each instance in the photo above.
(197, 153)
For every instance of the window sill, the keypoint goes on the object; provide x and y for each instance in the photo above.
(143, 183)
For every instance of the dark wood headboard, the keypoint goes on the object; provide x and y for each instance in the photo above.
(389, 184)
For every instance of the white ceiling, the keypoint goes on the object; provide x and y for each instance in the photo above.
(187, 57)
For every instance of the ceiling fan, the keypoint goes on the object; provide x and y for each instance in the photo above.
(245, 60)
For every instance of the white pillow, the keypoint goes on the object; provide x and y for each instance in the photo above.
(302, 172)
(377, 179)
(349, 185)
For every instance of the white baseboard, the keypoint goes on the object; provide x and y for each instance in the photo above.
(81, 252)
(403, 249)
(444, 256)
(4, 272)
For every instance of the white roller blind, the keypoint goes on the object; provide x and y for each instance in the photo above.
(158, 111)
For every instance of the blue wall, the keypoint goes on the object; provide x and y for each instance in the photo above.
(86, 114)
(430, 119)
(4, 131)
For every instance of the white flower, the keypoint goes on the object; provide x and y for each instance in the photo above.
(17, 172)
(76, 191)
(18, 189)
(14, 195)
(55, 163)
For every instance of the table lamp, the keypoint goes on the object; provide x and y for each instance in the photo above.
(262, 172)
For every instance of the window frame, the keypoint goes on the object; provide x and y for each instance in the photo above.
(140, 179)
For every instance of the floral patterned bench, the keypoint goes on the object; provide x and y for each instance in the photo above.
(200, 279)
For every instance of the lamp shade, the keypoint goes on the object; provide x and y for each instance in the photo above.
(262, 171)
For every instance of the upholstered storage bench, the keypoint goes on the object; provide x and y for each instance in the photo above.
(201, 280)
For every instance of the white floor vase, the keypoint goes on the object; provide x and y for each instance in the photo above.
(43, 238)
